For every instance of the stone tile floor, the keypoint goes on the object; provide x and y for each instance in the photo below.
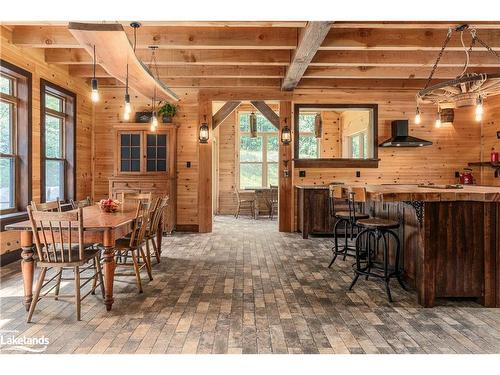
(246, 288)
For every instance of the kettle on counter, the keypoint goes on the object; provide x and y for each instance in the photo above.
(466, 178)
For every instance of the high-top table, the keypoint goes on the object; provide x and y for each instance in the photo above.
(99, 227)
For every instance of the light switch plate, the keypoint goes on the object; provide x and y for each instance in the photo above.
(498, 134)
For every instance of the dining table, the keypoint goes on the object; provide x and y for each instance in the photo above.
(99, 227)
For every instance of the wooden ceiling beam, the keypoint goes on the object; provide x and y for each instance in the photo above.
(387, 72)
(310, 39)
(168, 37)
(402, 58)
(71, 56)
(479, 25)
(401, 39)
(364, 84)
(255, 83)
(225, 24)
(198, 71)
(224, 112)
(267, 112)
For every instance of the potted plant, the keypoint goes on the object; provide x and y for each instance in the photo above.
(167, 111)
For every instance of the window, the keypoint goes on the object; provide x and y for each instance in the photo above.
(308, 143)
(258, 157)
(15, 138)
(358, 145)
(58, 142)
(130, 152)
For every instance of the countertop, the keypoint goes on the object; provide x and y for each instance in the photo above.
(398, 193)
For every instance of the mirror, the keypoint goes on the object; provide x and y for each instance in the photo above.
(336, 132)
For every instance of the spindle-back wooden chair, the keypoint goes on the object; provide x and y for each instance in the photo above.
(154, 226)
(81, 203)
(133, 245)
(58, 238)
(51, 206)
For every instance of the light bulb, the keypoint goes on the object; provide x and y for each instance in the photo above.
(418, 119)
(127, 108)
(479, 116)
(95, 92)
(154, 122)
(479, 108)
(438, 120)
(126, 115)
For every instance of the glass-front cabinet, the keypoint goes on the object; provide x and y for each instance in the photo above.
(145, 162)
(141, 152)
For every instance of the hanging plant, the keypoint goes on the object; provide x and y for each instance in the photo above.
(167, 111)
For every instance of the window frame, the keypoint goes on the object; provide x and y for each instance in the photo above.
(362, 135)
(68, 150)
(264, 163)
(21, 99)
(311, 134)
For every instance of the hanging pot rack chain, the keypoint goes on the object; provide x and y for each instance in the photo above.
(463, 78)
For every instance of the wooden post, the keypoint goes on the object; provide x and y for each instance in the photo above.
(285, 172)
(205, 211)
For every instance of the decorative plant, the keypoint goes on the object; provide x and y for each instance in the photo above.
(167, 109)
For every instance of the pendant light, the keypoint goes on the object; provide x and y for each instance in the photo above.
(203, 133)
(286, 134)
(318, 125)
(154, 118)
(253, 125)
(127, 108)
(95, 91)
(479, 108)
(418, 119)
(438, 119)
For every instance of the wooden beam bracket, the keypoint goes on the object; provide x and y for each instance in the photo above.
(224, 112)
(267, 112)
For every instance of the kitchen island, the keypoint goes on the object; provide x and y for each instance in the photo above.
(450, 238)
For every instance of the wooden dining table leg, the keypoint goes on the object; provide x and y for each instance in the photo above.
(109, 267)
(27, 267)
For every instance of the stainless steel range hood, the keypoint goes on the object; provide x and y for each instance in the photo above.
(400, 137)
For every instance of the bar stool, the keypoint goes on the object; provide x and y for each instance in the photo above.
(367, 248)
(348, 218)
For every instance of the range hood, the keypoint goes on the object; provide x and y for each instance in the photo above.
(400, 137)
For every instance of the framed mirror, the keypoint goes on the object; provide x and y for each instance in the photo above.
(336, 135)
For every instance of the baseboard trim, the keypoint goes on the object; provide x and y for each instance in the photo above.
(187, 228)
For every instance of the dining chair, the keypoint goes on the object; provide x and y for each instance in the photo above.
(133, 246)
(51, 206)
(242, 202)
(81, 203)
(272, 201)
(58, 238)
(157, 213)
(133, 198)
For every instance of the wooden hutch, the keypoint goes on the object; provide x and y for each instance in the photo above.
(145, 161)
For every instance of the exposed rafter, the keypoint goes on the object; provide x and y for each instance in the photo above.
(267, 112)
(310, 40)
(224, 112)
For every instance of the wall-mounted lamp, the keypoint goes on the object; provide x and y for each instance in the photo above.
(203, 133)
(286, 135)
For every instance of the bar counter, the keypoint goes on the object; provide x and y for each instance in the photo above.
(450, 238)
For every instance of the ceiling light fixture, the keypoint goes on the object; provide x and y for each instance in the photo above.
(95, 91)
(467, 89)
(154, 118)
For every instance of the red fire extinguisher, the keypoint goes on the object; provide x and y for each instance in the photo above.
(466, 178)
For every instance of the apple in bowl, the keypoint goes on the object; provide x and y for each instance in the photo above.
(109, 205)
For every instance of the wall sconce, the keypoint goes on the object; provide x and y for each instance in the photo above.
(286, 135)
(204, 133)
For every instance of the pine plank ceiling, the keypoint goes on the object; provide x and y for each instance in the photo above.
(278, 54)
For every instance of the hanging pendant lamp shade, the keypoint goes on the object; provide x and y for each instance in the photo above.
(253, 125)
(93, 83)
(318, 126)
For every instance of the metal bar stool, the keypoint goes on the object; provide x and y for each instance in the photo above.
(367, 248)
(348, 218)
